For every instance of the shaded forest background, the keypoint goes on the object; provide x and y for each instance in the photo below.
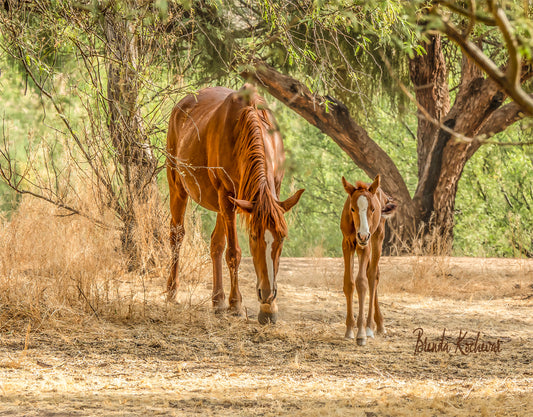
(65, 139)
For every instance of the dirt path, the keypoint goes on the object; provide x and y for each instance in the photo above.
(202, 364)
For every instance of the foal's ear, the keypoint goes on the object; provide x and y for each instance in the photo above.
(244, 205)
(347, 186)
(389, 210)
(291, 201)
(375, 185)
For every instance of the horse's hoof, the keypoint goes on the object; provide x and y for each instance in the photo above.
(220, 308)
(266, 318)
(171, 298)
(361, 341)
(382, 332)
(369, 332)
(237, 311)
(349, 335)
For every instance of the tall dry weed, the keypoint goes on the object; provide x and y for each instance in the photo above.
(54, 267)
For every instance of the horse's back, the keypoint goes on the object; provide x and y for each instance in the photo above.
(202, 137)
(190, 118)
(187, 144)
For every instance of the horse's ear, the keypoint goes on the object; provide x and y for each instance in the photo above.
(246, 94)
(375, 185)
(291, 201)
(347, 186)
(244, 205)
(388, 210)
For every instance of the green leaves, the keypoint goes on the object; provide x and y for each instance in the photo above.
(495, 201)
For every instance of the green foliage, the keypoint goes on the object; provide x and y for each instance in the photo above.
(494, 210)
(338, 47)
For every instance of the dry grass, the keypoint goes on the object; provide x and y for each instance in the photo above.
(55, 268)
(80, 335)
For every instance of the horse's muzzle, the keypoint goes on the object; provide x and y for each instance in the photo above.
(270, 296)
(363, 240)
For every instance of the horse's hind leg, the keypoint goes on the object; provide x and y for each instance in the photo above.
(218, 243)
(378, 317)
(178, 204)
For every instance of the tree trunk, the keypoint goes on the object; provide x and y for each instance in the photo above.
(133, 152)
(478, 98)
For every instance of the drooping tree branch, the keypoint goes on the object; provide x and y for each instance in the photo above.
(333, 118)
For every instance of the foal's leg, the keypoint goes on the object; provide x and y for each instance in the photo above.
(178, 204)
(361, 284)
(349, 286)
(372, 275)
(378, 317)
(218, 244)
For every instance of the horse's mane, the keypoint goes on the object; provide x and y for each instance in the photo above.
(360, 185)
(253, 122)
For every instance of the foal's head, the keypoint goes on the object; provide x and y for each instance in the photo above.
(366, 208)
(267, 230)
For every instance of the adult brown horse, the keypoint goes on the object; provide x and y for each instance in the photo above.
(363, 228)
(225, 152)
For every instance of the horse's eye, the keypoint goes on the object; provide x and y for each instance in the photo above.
(352, 209)
(373, 210)
(253, 237)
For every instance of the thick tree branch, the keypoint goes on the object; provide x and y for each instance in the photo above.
(502, 118)
(507, 81)
(471, 14)
(333, 118)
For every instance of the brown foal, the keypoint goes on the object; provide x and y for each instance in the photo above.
(363, 228)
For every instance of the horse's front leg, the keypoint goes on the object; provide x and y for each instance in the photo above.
(349, 286)
(233, 255)
(178, 204)
(233, 259)
(361, 284)
(218, 244)
(372, 275)
(377, 248)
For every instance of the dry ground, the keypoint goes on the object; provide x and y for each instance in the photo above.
(202, 364)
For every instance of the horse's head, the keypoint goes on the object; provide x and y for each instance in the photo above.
(267, 230)
(367, 208)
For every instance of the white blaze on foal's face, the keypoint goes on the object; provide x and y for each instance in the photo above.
(362, 205)
(269, 240)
